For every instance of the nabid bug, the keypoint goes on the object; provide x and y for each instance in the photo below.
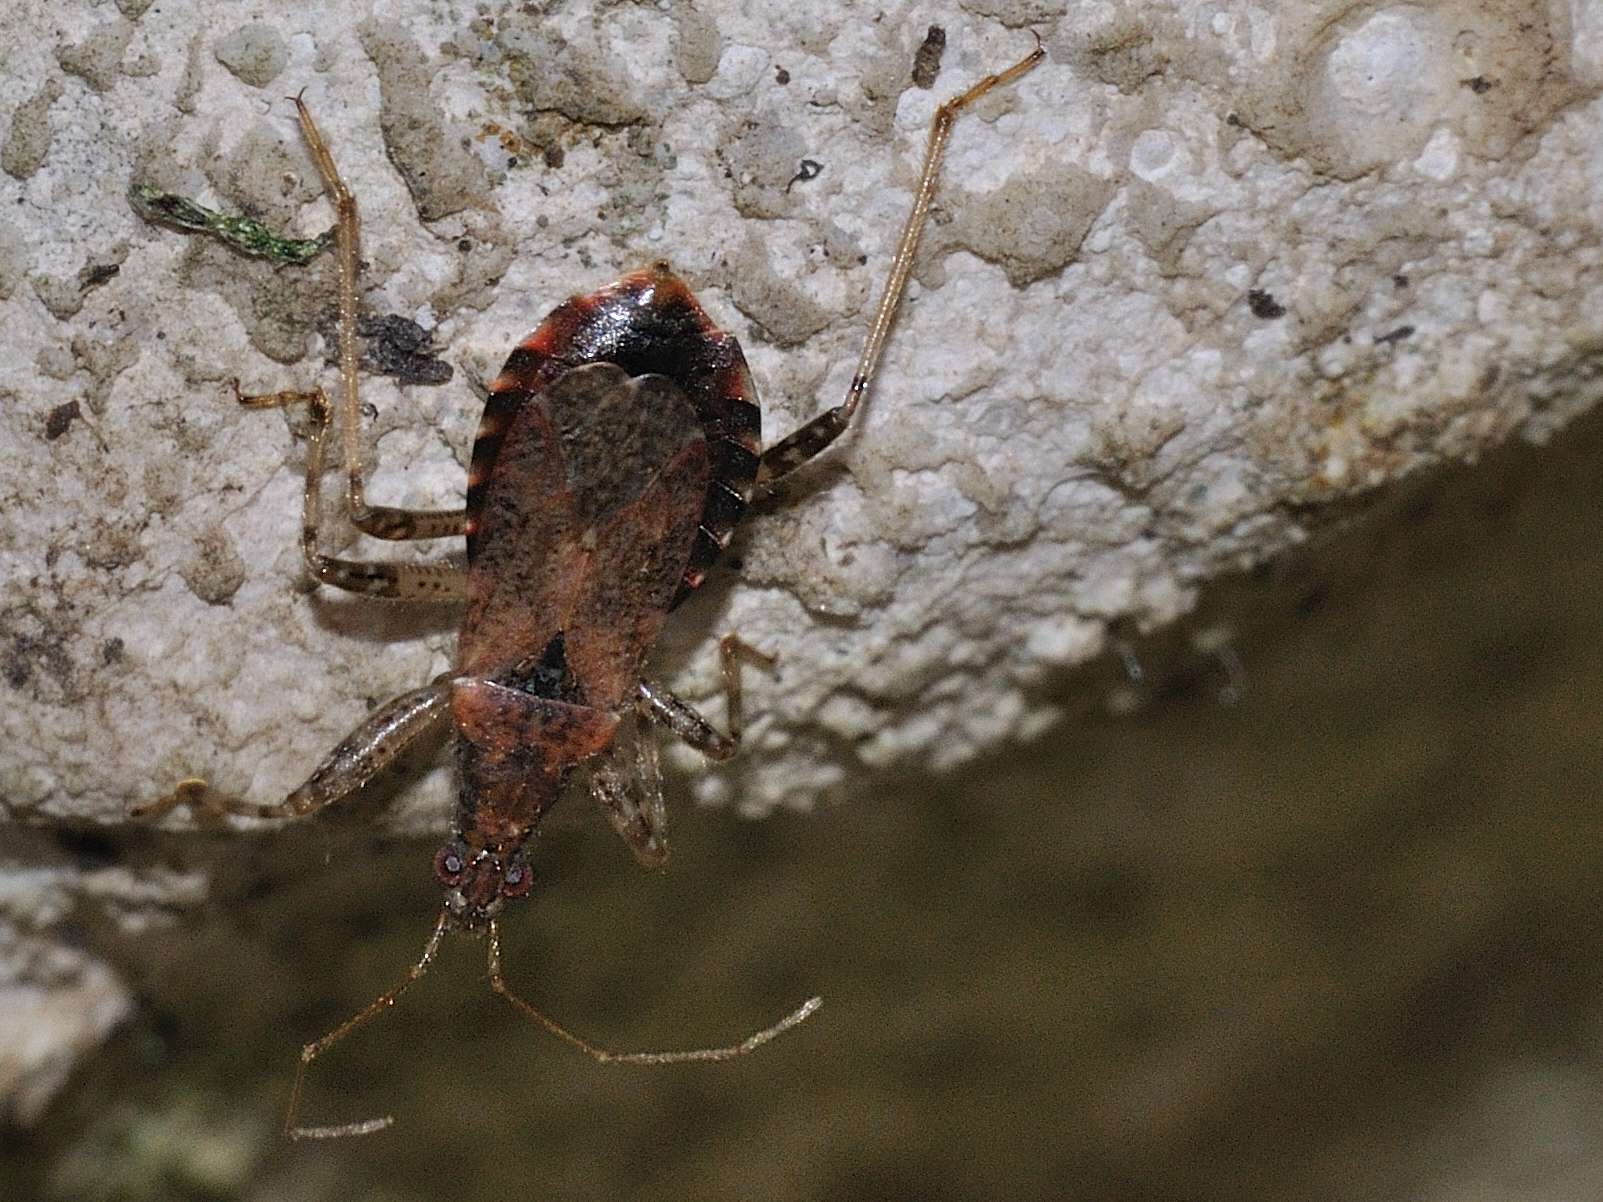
(620, 446)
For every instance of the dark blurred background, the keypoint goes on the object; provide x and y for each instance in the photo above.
(1302, 902)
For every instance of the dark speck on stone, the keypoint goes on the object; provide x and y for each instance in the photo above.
(394, 346)
(927, 62)
(96, 274)
(1264, 305)
(60, 420)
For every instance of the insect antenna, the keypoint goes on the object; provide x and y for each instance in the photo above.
(605, 1056)
(293, 1131)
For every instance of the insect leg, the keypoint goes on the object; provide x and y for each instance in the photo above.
(664, 708)
(796, 449)
(377, 520)
(358, 757)
(604, 1056)
(626, 781)
(413, 581)
(316, 1048)
(732, 649)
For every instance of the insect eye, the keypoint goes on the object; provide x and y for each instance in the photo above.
(449, 863)
(518, 879)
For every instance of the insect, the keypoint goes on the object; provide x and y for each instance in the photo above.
(619, 447)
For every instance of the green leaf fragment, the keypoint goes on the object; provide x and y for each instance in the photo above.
(248, 236)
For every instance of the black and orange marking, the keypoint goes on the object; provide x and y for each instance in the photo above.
(648, 323)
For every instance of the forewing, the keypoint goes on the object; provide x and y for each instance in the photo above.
(586, 519)
(526, 559)
(633, 575)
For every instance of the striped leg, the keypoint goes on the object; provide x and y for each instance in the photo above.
(387, 732)
(663, 708)
(791, 452)
(376, 520)
(410, 581)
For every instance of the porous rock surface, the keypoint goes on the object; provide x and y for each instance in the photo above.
(1209, 268)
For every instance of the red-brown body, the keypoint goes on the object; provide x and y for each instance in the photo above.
(619, 448)
(617, 451)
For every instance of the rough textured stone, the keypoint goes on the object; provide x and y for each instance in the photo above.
(1075, 429)
(255, 53)
(28, 140)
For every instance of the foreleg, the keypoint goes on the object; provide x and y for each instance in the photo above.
(363, 753)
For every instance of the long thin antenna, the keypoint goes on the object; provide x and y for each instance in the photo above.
(292, 1129)
(605, 1056)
